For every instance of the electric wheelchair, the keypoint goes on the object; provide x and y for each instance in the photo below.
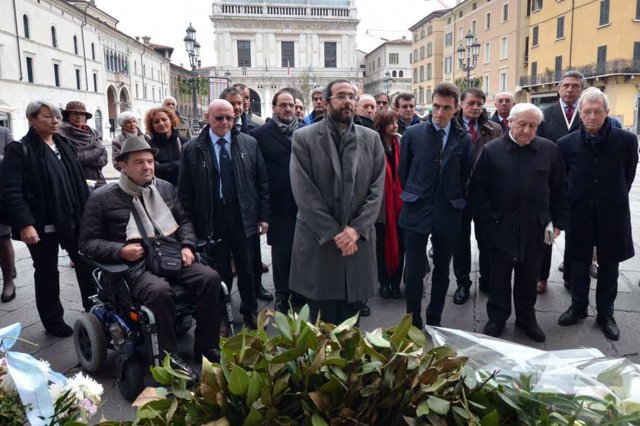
(118, 323)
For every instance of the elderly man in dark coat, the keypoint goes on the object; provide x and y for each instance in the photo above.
(601, 161)
(519, 198)
(337, 178)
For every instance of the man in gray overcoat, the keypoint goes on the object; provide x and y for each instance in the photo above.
(337, 178)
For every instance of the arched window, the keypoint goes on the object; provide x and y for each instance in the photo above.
(54, 38)
(401, 74)
(25, 25)
(394, 74)
(93, 51)
(75, 44)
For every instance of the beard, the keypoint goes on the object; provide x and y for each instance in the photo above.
(344, 115)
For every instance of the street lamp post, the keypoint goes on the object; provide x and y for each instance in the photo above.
(387, 82)
(468, 57)
(193, 49)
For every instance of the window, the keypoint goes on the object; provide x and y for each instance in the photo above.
(429, 72)
(534, 36)
(415, 55)
(474, 6)
(30, 69)
(25, 27)
(534, 72)
(288, 54)
(400, 74)
(422, 52)
(505, 12)
(485, 85)
(78, 85)
(137, 91)
(637, 9)
(394, 58)
(448, 64)
(379, 62)
(429, 30)
(330, 56)
(93, 51)
(636, 54)
(526, 50)
(422, 33)
(415, 75)
(244, 53)
(504, 47)
(56, 75)
(95, 84)
(144, 91)
(473, 26)
(75, 44)
(558, 68)
(448, 39)
(460, 33)
(429, 94)
(421, 72)
(560, 27)
(429, 50)
(503, 81)
(54, 38)
(487, 52)
(602, 59)
(604, 12)
(536, 5)
(394, 74)
(421, 95)
(487, 21)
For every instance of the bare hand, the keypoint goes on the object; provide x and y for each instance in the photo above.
(132, 252)
(557, 232)
(263, 227)
(187, 257)
(350, 249)
(29, 235)
(346, 237)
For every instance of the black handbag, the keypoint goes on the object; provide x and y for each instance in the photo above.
(163, 254)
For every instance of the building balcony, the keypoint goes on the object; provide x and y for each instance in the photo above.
(590, 71)
(283, 11)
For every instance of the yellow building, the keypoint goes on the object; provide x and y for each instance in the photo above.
(600, 38)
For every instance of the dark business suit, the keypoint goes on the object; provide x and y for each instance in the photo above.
(496, 119)
(433, 201)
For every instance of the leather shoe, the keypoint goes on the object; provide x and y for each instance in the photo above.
(59, 329)
(533, 330)
(365, 311)
(282, 306)
(433, 321)
(609, 327)
(211, 354)
(251, 321)
(5, 298)
(541, 287)
(493, 329)
(385, 292)
(180, 364)
(461, 296)
(561, 267)
(593, 270)
(263, 294)
(571, 316)
(395, 292)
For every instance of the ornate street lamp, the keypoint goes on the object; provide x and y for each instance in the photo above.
(193, 50)
(387, 82)
(468, 56)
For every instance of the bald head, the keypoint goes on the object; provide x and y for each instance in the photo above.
(220, 116)
(504, 102)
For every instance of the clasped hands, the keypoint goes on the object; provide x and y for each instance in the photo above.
(133, 252)
(346, 241)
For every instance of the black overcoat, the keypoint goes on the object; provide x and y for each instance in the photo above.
(599, 177)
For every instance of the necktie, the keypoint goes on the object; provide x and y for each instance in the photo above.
(227, 178)
(505, 124)
(472, 131)
(569, 112)
(440, 139)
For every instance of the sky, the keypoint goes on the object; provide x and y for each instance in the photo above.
(166, 22)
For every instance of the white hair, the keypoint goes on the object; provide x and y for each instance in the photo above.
(367, 97)
(125, 116)
(34, 107)
(169, 98)
(593, 94)
(525, 107)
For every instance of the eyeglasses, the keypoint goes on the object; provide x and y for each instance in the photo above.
(224, 117)
(343, 97)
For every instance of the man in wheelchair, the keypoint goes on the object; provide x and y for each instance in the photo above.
(109, 233)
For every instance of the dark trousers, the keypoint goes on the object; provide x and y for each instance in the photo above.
(47, 278)
(385, 278)
(545, 265)
(203, 283)
(462, 254)
(333, 311)
(606, 289)
(257, 262)
(415, 264)
(524, 286)
(235, 243)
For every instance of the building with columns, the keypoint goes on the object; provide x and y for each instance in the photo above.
(271, 44)
(388, 68)
(61, 51)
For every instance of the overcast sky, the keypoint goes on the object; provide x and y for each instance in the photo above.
(166, 22)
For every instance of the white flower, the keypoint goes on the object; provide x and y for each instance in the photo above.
(44, 368)
(56, 390)
(84, 387)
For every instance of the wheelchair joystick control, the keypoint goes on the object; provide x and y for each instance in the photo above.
(117, 334)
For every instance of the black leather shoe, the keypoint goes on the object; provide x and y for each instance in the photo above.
(6, 298)
(180, 364)
(567, 284)
(211, 354)
(433, 321)
(251, 321)
(282, 306)
(59, 329)
(461, 296)
(493, 329)
(532, 330)
(395, 292)
(385, 292)
(365, 311)
(263, 294)
(571, 316)
(609, 327)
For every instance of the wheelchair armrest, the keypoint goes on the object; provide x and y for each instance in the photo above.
(110, 268)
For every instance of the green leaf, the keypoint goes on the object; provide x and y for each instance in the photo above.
(461, 412)
(491, 419)
(253, 418)
(239, 381)
(282, 324)
(161, 375)
(255, 386)
(304, 313)
(317, 420)
(401, 330)
(417, 336)
(423, 409)
(440, 381)
(438, 405)
(376, 339)
(347, 324)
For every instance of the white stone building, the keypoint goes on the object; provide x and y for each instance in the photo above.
(388, 68)
(271, 44)
(69, 50)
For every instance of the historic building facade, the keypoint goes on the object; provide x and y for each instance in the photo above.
(271, 44)
(66, 50)
(388, 68)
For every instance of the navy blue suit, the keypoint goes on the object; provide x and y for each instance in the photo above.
(433, 200)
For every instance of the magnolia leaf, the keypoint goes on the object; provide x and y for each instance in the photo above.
(321, 400)
(286, 356)
(220, 422)
(253, 418)
(401, 330)
(438, 405)
(172, 410)
(376, 339)
(347, 324)
(442, 352)
(461, 412)
(282, 324)
(239, 381)
(417, 336)
(149, 394)
(435, 385)
(369, 390)
(281, 384)
(469, 377)
(491, 419)
(317, 420)
(422, 409)
(161, 375)
(436, 420)
(255, 386)
(263, 318)
(304, 313)
(371, 366)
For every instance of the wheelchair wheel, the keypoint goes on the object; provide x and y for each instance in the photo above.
(90, 342)
(131, 383)
(184, 325)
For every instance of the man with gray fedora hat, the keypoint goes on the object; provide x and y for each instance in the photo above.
(109, 234)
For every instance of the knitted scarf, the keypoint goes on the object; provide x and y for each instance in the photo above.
(286, 129)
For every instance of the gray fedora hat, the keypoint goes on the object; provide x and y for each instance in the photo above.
(135, 144)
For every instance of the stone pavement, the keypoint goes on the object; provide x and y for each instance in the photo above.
(470, 317)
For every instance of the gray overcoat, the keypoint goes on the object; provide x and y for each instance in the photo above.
(330, 195)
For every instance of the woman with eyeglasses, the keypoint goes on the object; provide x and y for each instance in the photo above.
(43, 191)
(162, 133)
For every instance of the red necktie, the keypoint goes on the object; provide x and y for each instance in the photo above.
(569, 111)
(505, 124)
(472, 131)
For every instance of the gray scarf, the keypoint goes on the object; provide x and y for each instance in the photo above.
(153, 211)
(286, 129)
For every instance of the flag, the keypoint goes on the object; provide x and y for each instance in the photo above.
(288, 68)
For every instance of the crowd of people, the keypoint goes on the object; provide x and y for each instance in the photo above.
(350, 197)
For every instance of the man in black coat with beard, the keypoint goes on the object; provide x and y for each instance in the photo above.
(601, 165)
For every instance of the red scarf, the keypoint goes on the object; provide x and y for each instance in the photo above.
(392, 206)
